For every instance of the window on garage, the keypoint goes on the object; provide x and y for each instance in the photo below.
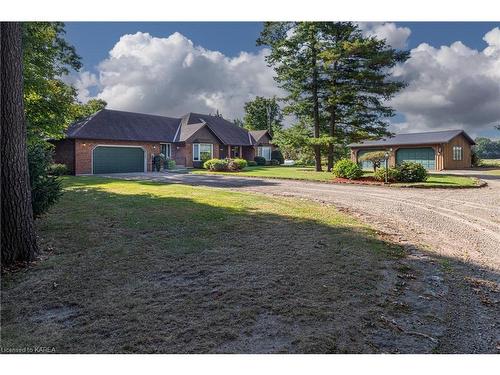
(458, 153)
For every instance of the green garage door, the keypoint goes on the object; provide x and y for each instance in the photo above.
(424, 156)
(366, 165)
(118, 159)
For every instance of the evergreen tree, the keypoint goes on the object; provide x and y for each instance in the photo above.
(295, 57)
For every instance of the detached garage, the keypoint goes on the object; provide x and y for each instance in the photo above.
(425, 156)
(450, 149)
(118, 159)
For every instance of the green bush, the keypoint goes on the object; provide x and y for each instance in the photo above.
(346, 168)
(411, 172)
(241, 163)
(46, 189)
(260, 160)
(251, 163)
(277, 155)
(58, 169)
(158, 161)
(392, 174)
(274, 162)
(216, 165)
(169, 164)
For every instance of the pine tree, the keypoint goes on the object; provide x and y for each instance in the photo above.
(295, 57)
(356, 77)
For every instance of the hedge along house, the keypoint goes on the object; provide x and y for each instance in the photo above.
(121, 142)
(436, 151)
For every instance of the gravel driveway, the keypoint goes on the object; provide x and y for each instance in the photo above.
(459, 230)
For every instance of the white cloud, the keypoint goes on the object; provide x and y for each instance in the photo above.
(394, 35)
(171, 76)
(451, 87)
(82, 82)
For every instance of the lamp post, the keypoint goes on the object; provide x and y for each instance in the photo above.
(386, 155)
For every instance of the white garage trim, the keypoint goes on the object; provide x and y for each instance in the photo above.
(103, 145)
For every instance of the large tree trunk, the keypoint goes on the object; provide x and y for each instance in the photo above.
(332, 134)
(18, 233)
(317, 148)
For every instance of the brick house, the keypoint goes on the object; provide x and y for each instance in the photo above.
(449, 149)
(118, 142)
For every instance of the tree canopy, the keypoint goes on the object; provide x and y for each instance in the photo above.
(263, 114)
(337, 80)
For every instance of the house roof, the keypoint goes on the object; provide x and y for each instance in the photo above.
(130, 126)
(226, 131)
(426, 138)
(257, 135)
(124, 126)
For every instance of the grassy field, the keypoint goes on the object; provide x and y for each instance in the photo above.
(131, 266)
(490, 163)
(293, 173)
(308, 173)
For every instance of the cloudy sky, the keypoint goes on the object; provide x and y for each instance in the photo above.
(453, 73)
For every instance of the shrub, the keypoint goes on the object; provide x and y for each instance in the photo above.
(217, 165)
(346, 168)
(46, 189)
(411, 172)
(475, 160)
(251, 163)
(169, 164)
(274, 162)
(277, 155)
(375, 157)
(260, 160)
(58, 169)
(242, 163)
(392, 174)
(158, 161)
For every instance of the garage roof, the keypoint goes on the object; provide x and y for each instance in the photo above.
(427, 138)
(124, 126)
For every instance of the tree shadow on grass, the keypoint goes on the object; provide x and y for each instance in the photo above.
(147, 273)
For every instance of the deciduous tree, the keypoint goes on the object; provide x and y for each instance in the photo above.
(263, 114)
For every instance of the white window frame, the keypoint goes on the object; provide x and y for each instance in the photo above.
(169, 149)
(260, 152)
(458, 153)
(197, 155)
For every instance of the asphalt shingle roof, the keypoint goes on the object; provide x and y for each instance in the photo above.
(226, 131)
(257, 135)
(129, 126)
(415, 139)
(124, 126)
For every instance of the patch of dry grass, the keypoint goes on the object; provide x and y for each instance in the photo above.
(150, 268)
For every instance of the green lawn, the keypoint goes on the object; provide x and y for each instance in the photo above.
(489, 163)
(293, 173)
(444, 181)
(135, 266)
(308, 173)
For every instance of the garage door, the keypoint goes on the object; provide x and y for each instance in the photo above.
(424, 156)
(108, 159)
(366, 165)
